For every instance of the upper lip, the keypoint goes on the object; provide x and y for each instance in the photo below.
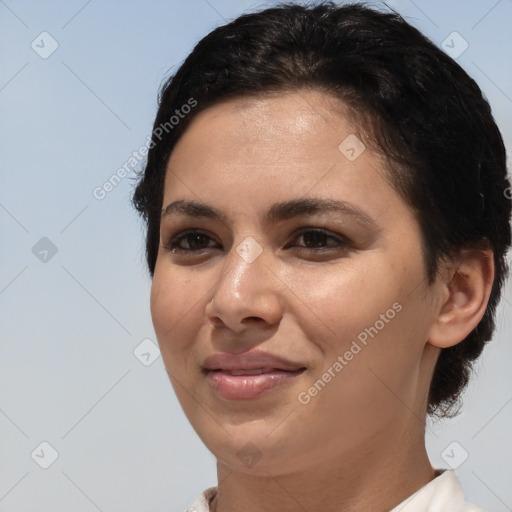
(252, 360)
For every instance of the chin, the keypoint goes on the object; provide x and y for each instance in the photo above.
(255, 448)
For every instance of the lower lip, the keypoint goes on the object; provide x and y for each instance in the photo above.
(240, 387)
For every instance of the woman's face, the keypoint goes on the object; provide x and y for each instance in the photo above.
(274, 209)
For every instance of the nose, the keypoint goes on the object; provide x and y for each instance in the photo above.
(247, 294)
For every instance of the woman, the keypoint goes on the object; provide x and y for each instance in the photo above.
(326, 231)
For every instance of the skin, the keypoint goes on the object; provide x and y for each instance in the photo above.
(358, 445)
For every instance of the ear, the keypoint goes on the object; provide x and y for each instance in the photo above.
(465, 287)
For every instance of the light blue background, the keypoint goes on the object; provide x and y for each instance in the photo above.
(69, 326)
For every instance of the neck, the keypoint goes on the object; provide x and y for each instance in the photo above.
(376, 480)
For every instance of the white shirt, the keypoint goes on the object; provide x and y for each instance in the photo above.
(442, 494)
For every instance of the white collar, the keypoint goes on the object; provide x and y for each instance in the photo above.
(442, 494)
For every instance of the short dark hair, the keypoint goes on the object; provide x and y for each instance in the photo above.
(445, 154)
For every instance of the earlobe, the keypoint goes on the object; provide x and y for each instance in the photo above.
(465, 293)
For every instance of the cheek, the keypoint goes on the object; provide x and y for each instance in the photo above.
(374, 320)
(376, 365)
(161, 303)
(350, 298)
(383, 356)
(172, 303)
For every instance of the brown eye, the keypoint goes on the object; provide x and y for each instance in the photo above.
(190, 242)
(318, 239)
(315, 239)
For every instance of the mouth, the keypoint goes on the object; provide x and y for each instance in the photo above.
(246, 384)
(250, 374)
(255, 371)
(248, 361)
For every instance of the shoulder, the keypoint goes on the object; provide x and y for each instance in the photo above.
(442, 493)
(202, 503)
(452, 486)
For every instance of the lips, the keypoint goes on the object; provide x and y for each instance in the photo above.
(253, 360)
(248, 375)
(256, 371)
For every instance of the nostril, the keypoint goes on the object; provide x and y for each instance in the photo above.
(251, 319)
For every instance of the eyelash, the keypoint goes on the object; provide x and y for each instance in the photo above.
(342, 242)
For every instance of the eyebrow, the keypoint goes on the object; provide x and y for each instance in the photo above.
(277, 212)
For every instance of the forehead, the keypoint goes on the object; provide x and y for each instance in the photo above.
(273, 148)
(279, 120)
(272, 131)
